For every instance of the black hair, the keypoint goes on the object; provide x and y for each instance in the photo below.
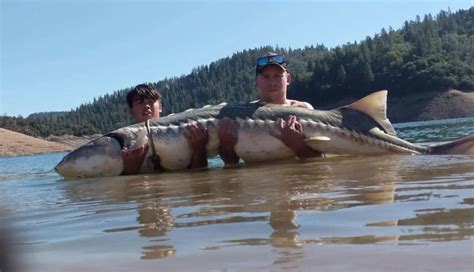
(142, 91)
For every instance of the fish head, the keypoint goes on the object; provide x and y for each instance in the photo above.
(98, 158)
(103, 156)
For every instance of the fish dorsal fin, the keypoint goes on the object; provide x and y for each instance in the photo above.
(375, 106)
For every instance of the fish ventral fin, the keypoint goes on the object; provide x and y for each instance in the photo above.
(375, 106)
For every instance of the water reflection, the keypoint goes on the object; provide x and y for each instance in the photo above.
(348, 200)
(158, 251)
(454, 224)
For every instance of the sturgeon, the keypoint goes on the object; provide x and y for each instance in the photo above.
(361, 128)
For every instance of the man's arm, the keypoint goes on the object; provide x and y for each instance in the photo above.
(197, 137)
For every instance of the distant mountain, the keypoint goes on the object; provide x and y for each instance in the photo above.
(46, 115)
(426, 57)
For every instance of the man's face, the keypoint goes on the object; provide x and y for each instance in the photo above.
(272, 83)
(144, 109)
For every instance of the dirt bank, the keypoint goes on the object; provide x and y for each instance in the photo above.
(423, 106)
(17, 144)
(431, 106)
(71, 140)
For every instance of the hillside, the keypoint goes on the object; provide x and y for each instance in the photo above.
(17, 144)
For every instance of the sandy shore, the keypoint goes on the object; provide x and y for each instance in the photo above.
(17, 144)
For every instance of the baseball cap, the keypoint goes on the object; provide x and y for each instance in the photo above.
(271, 58)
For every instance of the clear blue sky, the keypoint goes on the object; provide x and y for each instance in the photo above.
(59, 54)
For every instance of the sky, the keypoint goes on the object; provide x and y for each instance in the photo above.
(59, 54)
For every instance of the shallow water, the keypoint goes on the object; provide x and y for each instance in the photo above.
(390, 213)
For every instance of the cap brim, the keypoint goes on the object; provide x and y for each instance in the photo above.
(260, 68)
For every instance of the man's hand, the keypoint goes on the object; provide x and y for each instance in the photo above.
(133, 159)
(228, 138)
(292, 135)
(198, 137)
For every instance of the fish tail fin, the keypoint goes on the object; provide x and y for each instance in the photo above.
(463, 146)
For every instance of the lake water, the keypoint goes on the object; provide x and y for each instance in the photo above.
(385, 213)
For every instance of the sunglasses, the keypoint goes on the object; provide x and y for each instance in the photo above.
(279, 59)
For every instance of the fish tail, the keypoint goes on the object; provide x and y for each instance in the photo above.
(463, 146)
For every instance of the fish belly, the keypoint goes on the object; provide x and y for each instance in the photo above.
(174, 152)
(257, 145)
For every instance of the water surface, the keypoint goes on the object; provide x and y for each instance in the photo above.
(390, 213)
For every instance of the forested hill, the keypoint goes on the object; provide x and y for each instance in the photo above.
(428, 55)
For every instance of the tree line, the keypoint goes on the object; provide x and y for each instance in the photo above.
(429, 54)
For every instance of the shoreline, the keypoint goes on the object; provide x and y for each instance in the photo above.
(14, 144)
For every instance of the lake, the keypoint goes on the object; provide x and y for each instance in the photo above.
(381, 213)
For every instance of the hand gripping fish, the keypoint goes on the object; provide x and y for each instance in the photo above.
(361, 128)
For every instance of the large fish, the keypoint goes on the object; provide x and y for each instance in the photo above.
(361, 128)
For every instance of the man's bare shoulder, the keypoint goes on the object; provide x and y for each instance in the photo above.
(301, 104)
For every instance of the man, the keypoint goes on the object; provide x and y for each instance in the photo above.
(272, 80)
(144, 103)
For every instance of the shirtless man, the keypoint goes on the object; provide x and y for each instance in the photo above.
(272, 80)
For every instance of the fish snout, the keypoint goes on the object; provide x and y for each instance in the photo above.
(98, 158)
